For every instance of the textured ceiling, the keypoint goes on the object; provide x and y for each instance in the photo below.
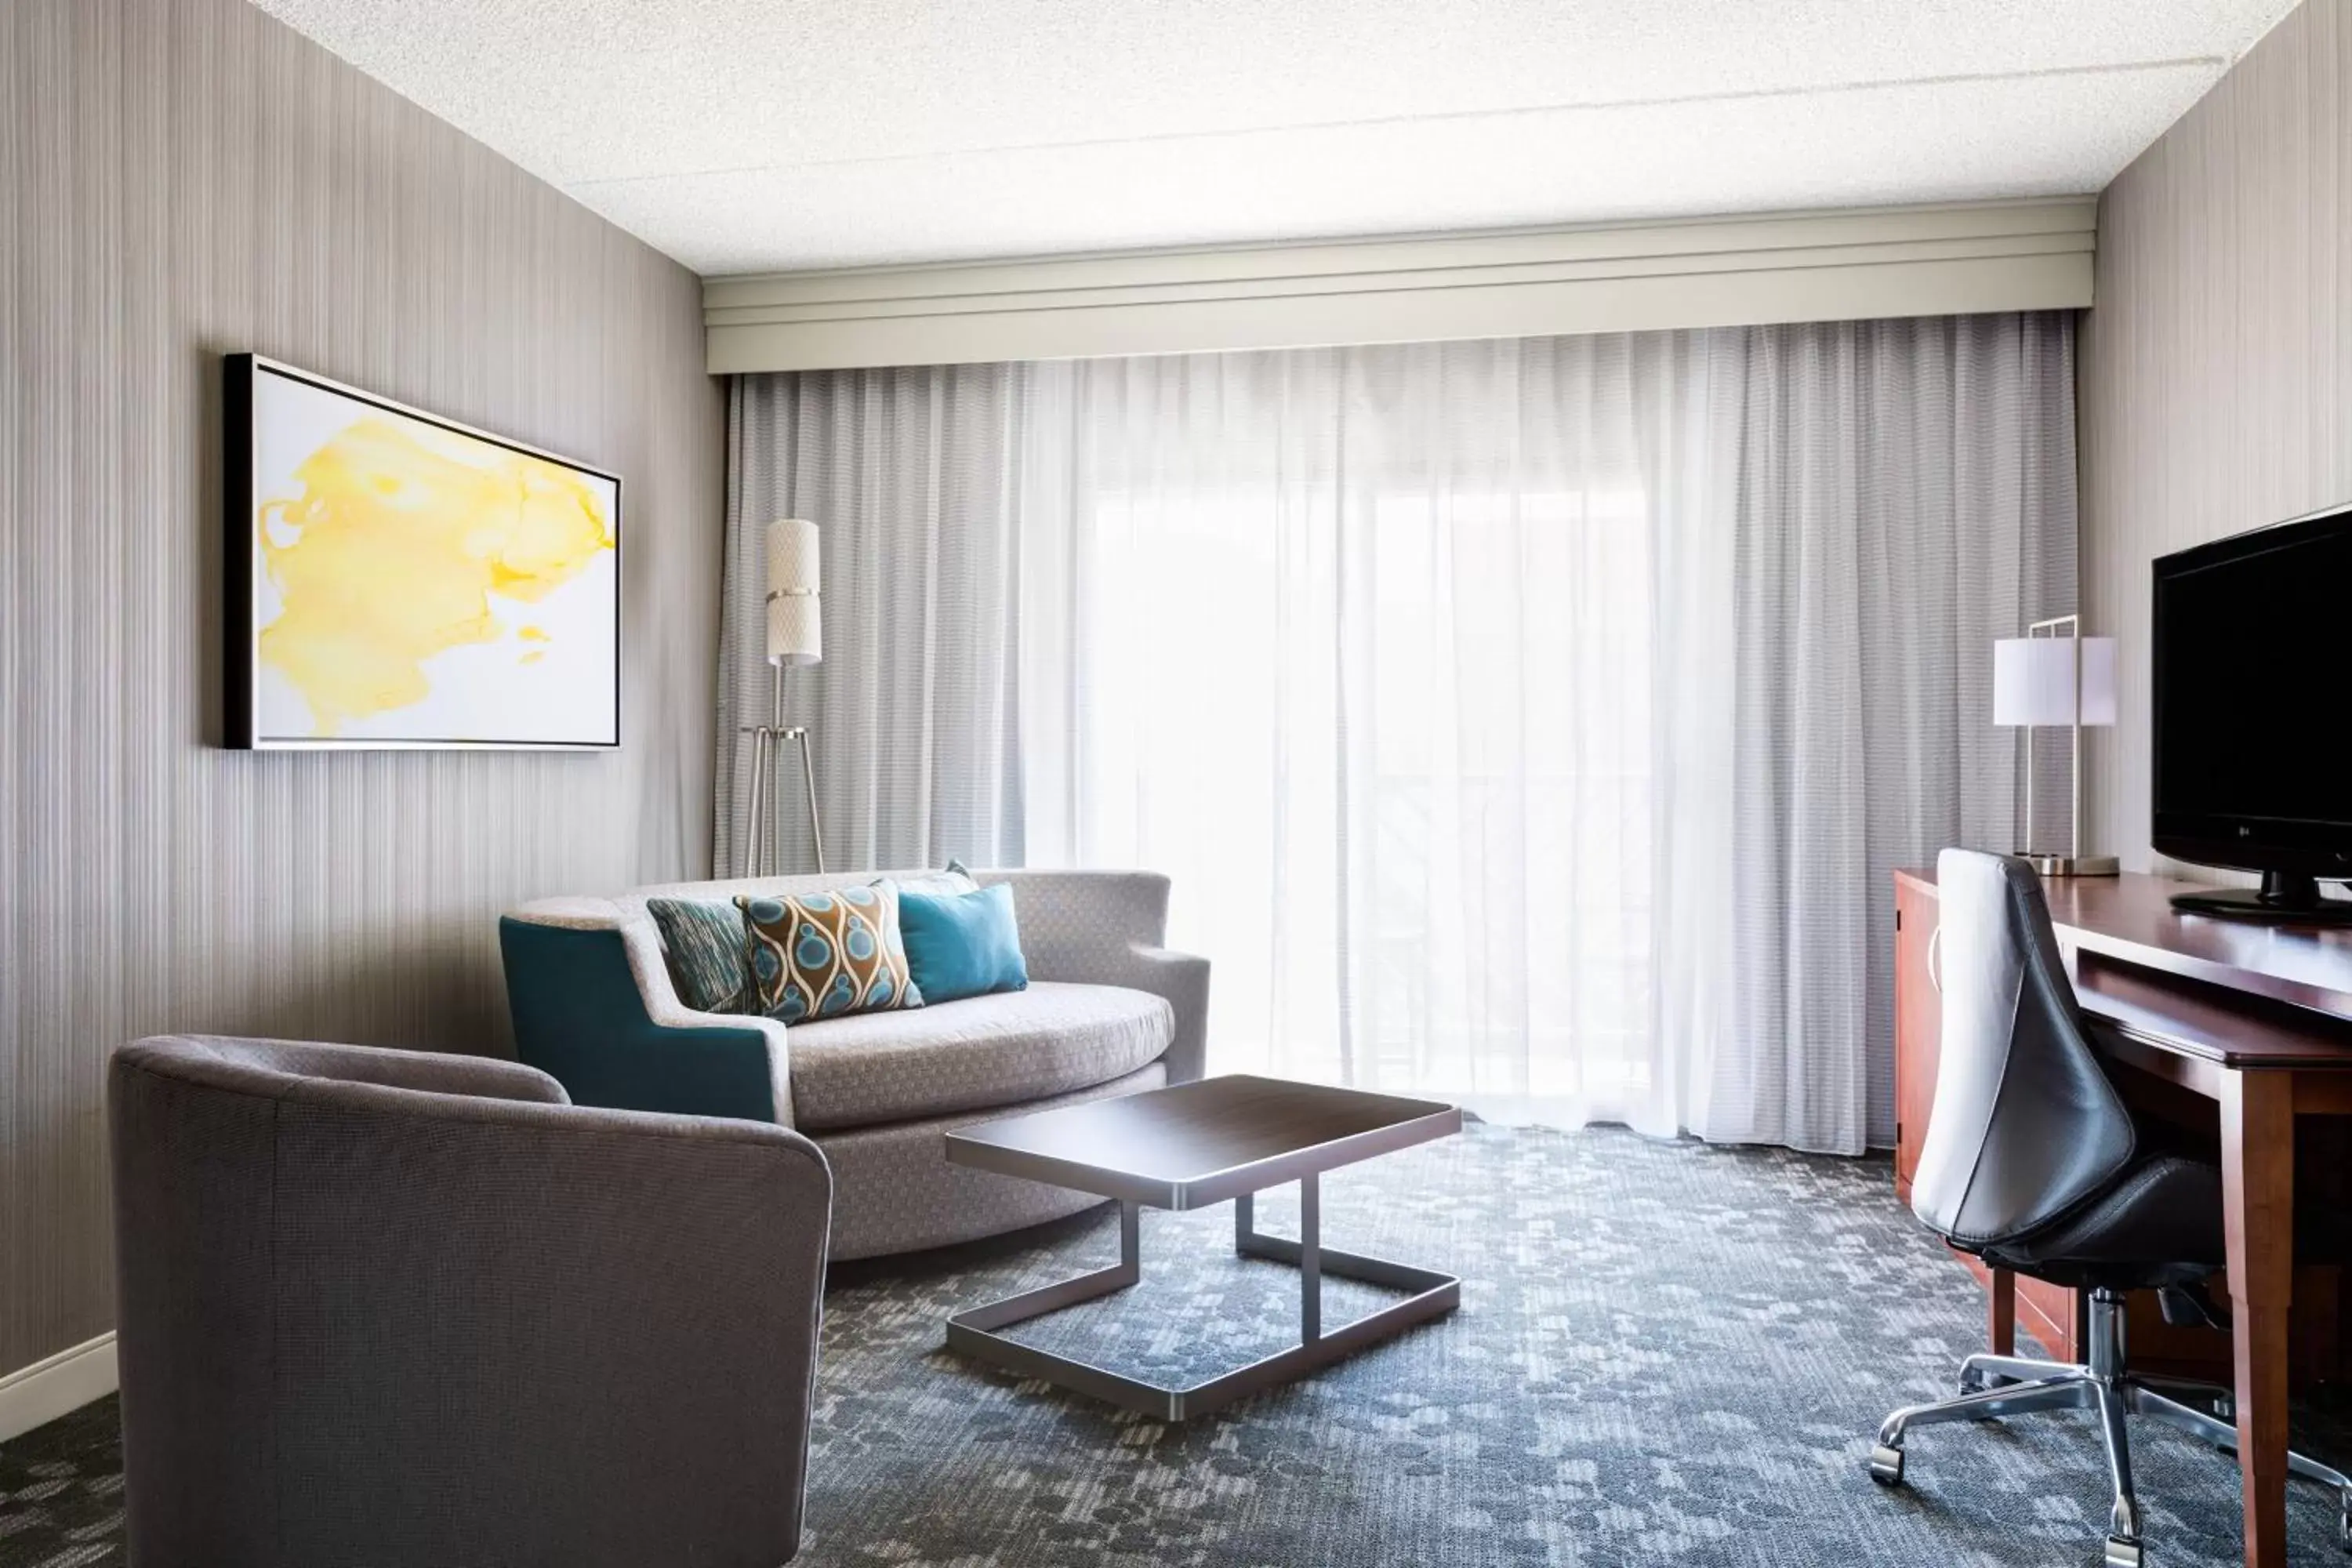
(758, 135)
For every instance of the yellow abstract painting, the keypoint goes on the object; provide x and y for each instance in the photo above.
(417, 584)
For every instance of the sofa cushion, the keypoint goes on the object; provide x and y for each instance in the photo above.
(984, 1051)
(824, 954)
(963, 944)
(703, 946)
(954, 880)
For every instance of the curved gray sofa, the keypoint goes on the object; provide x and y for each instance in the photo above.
(395, 1310)
(1108, 1011)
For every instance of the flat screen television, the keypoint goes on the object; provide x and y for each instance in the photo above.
(2251, 764)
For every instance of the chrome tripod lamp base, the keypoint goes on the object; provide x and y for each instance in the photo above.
(762, 856)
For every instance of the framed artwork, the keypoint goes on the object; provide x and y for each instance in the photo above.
(399, 580)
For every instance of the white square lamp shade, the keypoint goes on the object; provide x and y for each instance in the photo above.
(795, 602)
(2033, 681)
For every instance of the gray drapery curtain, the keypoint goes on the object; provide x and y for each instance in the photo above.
(914, 710)
(1906, 495)
(1567, 700)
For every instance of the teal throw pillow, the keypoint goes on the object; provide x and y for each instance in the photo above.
(963, 944)
(703, 946)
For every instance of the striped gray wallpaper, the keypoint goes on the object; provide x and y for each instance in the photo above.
(2216, 380)
(179, 179)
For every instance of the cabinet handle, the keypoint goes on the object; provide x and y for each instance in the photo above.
(1935, 947)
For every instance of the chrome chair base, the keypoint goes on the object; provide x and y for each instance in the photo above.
(1993, 1386)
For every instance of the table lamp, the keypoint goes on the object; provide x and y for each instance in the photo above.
(795, 636)
(2053, 675)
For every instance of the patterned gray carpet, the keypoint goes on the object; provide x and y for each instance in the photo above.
(1666, 1355)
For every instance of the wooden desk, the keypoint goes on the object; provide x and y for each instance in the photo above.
(2254, 1019)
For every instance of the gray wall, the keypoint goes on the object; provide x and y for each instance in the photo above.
(180, 179)
(2216, 379)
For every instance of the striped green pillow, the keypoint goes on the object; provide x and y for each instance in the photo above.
(707, 953)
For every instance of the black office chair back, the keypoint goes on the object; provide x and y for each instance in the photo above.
(2025, 1124)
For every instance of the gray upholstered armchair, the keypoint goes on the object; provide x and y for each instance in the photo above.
(395, 1309)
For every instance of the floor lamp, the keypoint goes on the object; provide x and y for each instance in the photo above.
(795, 635)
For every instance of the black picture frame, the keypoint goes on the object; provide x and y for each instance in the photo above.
(242, 379)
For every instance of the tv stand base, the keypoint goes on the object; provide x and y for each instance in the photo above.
(2285, 897)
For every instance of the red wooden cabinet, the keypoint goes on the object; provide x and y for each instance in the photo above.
(1919, 1023)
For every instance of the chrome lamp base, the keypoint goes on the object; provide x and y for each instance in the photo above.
(2070, 865)
(760, 854)
(1998, 1385)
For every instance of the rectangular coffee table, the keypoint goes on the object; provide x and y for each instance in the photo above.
(1221, 1139)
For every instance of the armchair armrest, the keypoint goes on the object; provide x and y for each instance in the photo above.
(429, 1072)
(1107, 928)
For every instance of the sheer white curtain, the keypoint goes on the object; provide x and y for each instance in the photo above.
(1528, 722)
(1376, 652)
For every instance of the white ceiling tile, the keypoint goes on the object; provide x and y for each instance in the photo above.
(744, 135)
(1934, 142)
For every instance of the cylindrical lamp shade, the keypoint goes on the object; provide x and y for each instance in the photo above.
(2034, 681)
(795, 599)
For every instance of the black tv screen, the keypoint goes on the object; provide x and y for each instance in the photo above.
(2250, 699)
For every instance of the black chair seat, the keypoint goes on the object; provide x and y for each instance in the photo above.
(2160, 1225)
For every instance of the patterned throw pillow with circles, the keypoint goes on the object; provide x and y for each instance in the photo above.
(820, 956)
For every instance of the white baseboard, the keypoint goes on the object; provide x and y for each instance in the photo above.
(37, 1394)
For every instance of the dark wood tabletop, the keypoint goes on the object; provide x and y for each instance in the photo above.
(1201, 1143)
(2185, 980)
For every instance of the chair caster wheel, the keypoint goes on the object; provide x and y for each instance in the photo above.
(2122, 1553)
(1886, 1466)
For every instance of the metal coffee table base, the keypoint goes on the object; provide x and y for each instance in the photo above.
(972, 1333)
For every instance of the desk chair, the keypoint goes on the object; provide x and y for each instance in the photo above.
(2033, 1163)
